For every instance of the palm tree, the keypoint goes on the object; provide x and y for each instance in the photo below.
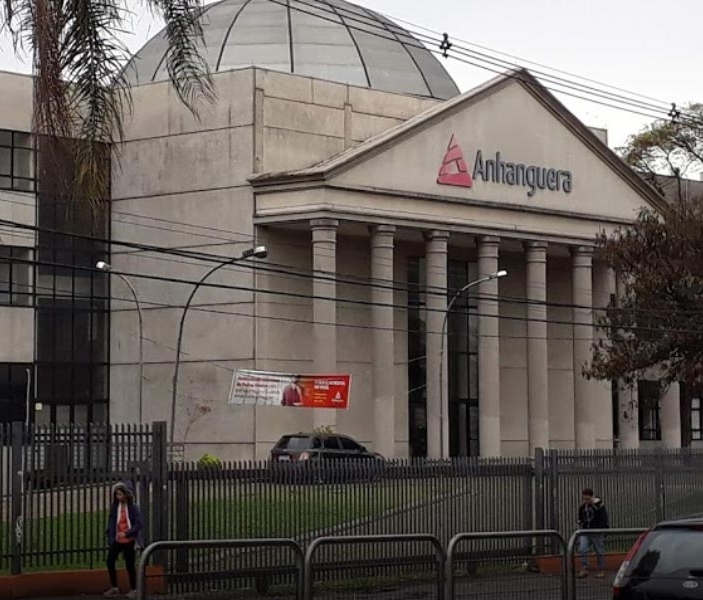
(81, 92)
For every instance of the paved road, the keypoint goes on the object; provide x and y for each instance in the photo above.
(518, 587)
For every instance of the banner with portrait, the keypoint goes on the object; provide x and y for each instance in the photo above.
(293, 390)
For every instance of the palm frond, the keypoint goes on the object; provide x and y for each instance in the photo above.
(186, 66)
(81, 92)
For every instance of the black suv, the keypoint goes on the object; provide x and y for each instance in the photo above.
(666, 562)
(314, 446)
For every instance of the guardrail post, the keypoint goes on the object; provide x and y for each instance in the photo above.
(17, 523)
(659, 486)
(182, 520)
(159, 477)
(553, 490)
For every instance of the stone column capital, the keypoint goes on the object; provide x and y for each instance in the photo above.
(582, 251)
(436, 235)
(325, 224)
(381, 229)
(382, 236)
(488, 240)
(488, 246)
(535, 252)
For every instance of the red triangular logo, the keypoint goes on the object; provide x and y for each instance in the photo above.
(454, 170)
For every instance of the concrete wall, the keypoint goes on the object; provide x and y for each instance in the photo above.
(305, 121)
(181, 182)
(15, 101)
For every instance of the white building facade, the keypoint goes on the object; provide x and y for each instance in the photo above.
(377, 201)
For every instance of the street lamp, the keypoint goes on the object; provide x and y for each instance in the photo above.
(103, 266)
(491, 277)
(257, 252)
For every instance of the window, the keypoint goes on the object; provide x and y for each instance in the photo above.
(648, 400)
(16, 161)
(13, 391)
(348, 444)
(15, 278)
(669, 553)
(696, 424)
(330, 443)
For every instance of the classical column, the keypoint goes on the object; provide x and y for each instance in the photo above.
(324, 311)
(383, 339)
(488, 350)
(537, 374)
(628, 402)
(436, 305)
(582, 280)
(670, 416)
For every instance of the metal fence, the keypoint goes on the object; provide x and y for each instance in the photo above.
(638, 487)
(55, 494)
(55, 491)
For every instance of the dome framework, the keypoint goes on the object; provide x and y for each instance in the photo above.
(332, 40)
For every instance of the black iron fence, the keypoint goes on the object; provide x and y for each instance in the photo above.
(55, 493)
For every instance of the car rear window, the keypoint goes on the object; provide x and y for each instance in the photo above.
(297, 442)
(673, 551)
(348, 444)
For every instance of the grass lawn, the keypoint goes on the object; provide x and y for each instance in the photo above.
(77, 540)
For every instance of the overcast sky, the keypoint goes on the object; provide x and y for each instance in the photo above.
(644, 46)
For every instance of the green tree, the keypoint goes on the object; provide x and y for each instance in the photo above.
(81, 90)
(658, 321)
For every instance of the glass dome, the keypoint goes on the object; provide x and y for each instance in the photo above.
(326, 39)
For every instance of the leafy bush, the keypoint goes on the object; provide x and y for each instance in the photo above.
(208, 461)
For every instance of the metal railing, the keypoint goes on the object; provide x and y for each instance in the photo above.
(221, 544)
(55, 491)
(603, 533)
(308, 583)
(546, 545)
(554, 536)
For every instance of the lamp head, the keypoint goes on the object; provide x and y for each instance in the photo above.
(102, 265)
(501, 273)
(257, 252)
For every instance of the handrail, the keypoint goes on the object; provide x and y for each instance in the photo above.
(490, 535)
(233, 543)
(360, 539)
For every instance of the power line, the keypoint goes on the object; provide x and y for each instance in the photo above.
(348, 301)
(369, 25)
(265, 268)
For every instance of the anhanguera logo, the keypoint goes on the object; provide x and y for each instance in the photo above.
(454, 171)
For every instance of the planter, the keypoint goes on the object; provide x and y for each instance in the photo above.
(71, 583)
(552, 564)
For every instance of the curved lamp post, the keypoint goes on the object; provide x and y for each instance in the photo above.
(258, 252)
(491, 277)
(103, 266)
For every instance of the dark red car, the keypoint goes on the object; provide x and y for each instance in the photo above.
(666, 563)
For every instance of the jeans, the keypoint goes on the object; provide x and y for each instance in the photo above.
(129, 559)
(585, 543)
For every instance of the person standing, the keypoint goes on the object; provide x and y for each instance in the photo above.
(292, 394)
(592, 515)
(124, 530)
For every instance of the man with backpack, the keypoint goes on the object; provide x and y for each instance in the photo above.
(592, 515)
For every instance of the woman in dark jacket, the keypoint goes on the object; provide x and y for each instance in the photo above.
(124, 532)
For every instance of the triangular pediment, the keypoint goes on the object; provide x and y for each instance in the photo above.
(509, 143)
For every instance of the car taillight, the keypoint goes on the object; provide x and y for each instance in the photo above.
(620, 577)
(304, 456)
